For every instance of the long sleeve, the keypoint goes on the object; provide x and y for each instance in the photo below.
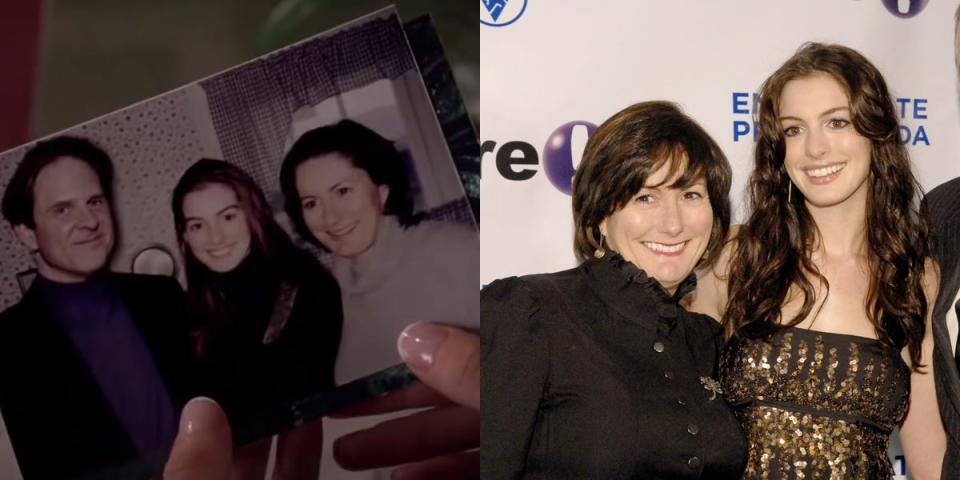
(514, 366)
(944, 211)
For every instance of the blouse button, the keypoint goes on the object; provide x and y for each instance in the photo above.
(693, 429)
(693, 463)
(658, 346)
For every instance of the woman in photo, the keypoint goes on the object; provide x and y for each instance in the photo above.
(599, 371)
(347, 191)
(268, 315)
(829, 282)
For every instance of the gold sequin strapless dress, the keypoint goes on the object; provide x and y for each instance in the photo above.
(816, 405)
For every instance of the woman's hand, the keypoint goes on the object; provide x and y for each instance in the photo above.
(439, 442)
(202, 449)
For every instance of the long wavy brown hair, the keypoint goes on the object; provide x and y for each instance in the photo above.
(772, 251)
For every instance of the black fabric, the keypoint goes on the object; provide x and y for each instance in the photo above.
(595, 372)
(956, 354)
(944, 206)
(59, 422)
(247, 376)
(99, 325)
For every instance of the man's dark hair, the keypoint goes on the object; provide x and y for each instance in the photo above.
(367, 150)
(18, 198)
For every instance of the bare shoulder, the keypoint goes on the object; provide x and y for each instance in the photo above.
(931, 280)
(720, 268)
(710, 298)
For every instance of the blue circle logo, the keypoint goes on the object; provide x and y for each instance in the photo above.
(558, 155)
(905, 8)
(500, 13)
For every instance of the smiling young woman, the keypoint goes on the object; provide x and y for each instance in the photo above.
(824, 290)
(268, 317)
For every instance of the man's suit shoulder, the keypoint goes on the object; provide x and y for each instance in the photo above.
(159, 285)
(944, 209)
(11, 316)
(140, 282)
(944, 201)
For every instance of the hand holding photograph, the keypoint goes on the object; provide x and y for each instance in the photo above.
(260, 237)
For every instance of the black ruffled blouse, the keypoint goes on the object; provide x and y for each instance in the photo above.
(597, 372)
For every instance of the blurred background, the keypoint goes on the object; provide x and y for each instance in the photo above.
(67, 61)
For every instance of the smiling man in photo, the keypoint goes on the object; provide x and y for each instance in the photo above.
(93, 364)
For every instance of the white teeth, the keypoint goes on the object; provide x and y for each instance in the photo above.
(660, 247)
(823, 172)
(219, 253)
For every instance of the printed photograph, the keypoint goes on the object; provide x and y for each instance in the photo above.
(260, 237)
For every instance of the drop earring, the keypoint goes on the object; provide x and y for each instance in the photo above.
(599, 252)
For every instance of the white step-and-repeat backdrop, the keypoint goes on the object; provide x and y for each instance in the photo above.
(553, 69)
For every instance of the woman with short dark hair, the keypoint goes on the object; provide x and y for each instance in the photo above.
(347, 190)
(598, 371)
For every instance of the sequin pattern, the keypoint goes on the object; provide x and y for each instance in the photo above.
(816, 405)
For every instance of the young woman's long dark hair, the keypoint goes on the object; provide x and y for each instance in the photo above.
(280, 258)
(772, 250)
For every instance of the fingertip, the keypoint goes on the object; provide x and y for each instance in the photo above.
(344, 453)
(418, 344)
(203, 447)
(444, 358)
(202, 414)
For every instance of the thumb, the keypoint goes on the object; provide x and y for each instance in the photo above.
(202, 450)
(444, 358)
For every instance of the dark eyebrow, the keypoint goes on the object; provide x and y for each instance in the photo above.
(62, 203)
(337, 185)
(224, 209)
(699, 182)
(834, 110)
(824, 114)
(228, 207)
(676, 185)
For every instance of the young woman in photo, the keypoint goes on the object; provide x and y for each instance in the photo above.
(268, 315)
